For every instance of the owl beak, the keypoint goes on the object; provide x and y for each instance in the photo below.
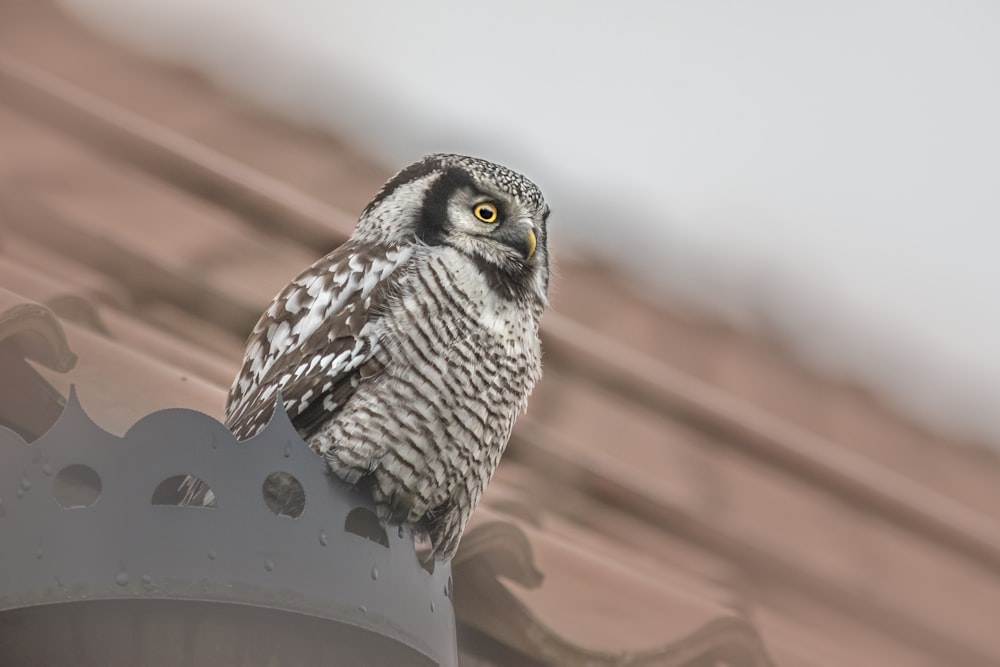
(531, 243)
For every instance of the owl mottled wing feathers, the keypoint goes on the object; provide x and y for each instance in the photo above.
(314, 340)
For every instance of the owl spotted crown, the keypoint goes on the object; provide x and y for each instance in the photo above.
(82, 519)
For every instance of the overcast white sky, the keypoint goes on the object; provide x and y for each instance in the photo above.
(828, 169)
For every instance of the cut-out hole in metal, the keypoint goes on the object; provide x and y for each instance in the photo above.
(362, 521)
(183, 491)
(426, 560)
(76, 486)
(284, 495)
(423, 546)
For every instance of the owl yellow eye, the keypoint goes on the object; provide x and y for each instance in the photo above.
(486, 212)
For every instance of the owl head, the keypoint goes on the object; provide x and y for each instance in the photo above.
(492, 215)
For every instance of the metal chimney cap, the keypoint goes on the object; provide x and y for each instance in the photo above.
(78, 525)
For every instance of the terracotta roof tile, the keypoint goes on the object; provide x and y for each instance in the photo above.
(70, 274)
(33, 332)
(755, 368)
(337, 174)
(178, 352)
(66, 300)
(573, 514)
(108, 372)
(29, 331)
(140, 231)
(116, 385)
(182, 324)
(620, 617)
(766, 521)
(808, 635)
(798, 624)
(78, 306)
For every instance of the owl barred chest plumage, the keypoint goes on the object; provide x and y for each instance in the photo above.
(405, 355)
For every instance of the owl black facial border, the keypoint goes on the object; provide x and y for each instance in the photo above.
(432, 225)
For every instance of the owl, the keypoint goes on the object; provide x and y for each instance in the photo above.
(404, 356)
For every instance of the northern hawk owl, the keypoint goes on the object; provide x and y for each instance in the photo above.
(404, 356)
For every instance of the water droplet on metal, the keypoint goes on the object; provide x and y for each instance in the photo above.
(364, 610)
(401, 532)
(121, 578)
(25, 483)
(211, 554)
(38, 554)
(323, 539)
(433, 607)
(268, 564)
(19, 493)
(147, 580)
(374, 573)
(288, 449)
(46, 469)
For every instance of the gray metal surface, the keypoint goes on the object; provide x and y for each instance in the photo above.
(84, 562)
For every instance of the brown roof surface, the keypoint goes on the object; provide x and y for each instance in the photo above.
(679, 493)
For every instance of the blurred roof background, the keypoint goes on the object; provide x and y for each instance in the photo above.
(822, 174)
(679, 493)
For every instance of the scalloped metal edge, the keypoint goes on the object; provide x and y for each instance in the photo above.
(236, 552)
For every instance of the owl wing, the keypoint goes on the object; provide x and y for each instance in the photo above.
(314, 340)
